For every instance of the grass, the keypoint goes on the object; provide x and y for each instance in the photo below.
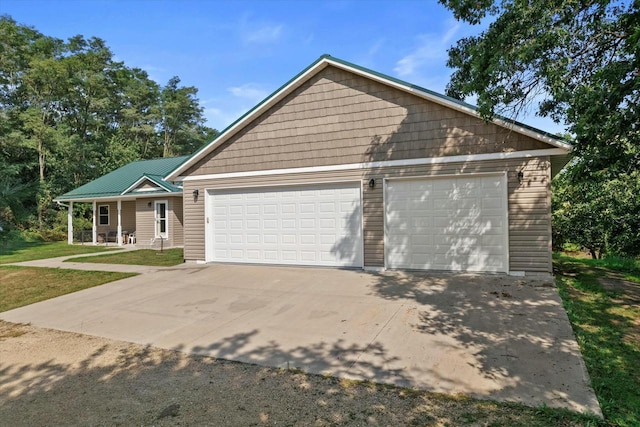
(606, 321)
(20, 286)
(167, 258)
(19, 251)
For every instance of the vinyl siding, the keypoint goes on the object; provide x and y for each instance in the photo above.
(127, 217)
(529, 206)
(145, 222)
(176, 216)
(337, 117)
(145, 232)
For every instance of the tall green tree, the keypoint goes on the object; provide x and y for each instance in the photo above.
(575, 61)
(69, 112)
(182, 123)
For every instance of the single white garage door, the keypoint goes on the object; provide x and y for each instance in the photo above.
(455, 224)
(303, 225)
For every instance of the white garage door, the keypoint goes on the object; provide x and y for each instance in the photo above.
(307, 225)
(455, 224)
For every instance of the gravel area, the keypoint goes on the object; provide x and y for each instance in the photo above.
(49, 377)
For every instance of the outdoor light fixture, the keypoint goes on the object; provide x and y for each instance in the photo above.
(372, 183)
(149, 204)
(520, 176)
(196, 192)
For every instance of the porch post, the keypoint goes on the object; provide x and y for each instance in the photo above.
(119, 222)
(70, 224)
(95, 225)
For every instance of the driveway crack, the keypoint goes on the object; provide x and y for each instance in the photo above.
(376, 336)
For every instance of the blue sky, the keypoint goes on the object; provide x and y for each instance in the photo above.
(238, 52)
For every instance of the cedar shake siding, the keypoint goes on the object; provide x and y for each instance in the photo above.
(529, 202)
(337, 117)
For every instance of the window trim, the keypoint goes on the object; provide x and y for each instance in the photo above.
(100, 215)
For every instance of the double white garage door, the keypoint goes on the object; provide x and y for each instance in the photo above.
(310, 225)
(456, 224)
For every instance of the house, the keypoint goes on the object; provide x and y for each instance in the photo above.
(346, 167)
(134, 203)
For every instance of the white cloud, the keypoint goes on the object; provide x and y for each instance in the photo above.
(250, 91)
(431, 51)
(219, 119)
(253, 32)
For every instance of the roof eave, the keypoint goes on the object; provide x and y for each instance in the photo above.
(142, 179)
(114, 197)
(318, 66)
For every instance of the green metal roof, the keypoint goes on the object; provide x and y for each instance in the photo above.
(115, 183)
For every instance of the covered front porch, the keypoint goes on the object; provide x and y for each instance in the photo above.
(145, 222)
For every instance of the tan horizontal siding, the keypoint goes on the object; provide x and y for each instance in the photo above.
(337, 117)
(193, 222)
(176, 215)
(373, 225)
(145, 222)
(127, 217)
(529, 205)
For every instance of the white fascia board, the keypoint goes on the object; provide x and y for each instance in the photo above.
(140, 181)
(130, 196)
(453, 105)
(268, 103)
(386, 163)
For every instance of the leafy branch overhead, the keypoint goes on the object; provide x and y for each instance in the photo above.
(573, 61)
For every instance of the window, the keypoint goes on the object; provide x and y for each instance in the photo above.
(103, 215)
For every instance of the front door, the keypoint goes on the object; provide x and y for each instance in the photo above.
(161, 219)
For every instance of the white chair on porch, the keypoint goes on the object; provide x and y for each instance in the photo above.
(132, 238)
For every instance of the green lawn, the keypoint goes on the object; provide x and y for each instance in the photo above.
(167, 258)
(602, 299)
(20, 286)
(18, 251)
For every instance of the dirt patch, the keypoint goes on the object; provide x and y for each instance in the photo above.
(58, 378)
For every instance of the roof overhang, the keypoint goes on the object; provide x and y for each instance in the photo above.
(143, 179)
(326, 61)
(116, 197)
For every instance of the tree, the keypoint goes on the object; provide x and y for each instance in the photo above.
(182, 123)
(576, 62)
(69, 113)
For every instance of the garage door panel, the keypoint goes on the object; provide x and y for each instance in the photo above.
(458, 224)
(309, 225)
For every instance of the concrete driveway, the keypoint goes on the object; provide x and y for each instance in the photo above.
(489, 336)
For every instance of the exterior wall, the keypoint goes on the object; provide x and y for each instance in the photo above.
(529, 206)
(176, 216)
(339, 118)
(145, 222)
(127, 217)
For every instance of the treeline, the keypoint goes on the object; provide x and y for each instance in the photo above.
(69, 113)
